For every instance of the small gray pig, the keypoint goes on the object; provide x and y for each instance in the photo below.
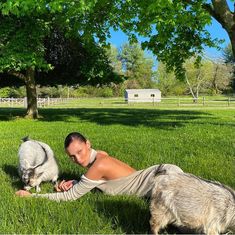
(37, 163)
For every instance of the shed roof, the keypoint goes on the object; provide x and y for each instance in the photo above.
(142, 90)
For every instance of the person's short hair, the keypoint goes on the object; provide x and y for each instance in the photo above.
(72, 136)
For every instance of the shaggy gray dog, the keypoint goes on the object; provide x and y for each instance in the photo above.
(188, 201)
(36, 164)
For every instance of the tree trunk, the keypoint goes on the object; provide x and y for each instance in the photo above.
(232, 39)
(220, 11)
(214, 83)
(32, 110)
(190, 89)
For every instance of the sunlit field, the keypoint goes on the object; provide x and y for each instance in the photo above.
(201, 140)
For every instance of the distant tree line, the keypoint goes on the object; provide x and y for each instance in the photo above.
(78, 64)
(115, 69)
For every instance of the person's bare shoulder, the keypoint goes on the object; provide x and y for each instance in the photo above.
(99, 168)
(102, 160)
(101, 153)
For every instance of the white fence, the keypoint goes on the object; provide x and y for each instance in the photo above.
(102, 102)
(202, 101)
(22, 102)
(11, 102)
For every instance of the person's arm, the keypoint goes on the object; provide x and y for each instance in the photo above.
(79, 189)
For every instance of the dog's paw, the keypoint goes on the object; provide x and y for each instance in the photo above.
(27, 187)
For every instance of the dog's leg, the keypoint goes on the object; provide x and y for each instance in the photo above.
(27, 187)
(211, 231)
(36, 183)
(160, 217)
(55, 181)
(38, 189)
(154, 225)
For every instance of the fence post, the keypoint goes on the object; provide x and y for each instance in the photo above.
(179, 101)
(25, 102)
(48, 101)
(228, 101)
(203, 100)
(11, 102)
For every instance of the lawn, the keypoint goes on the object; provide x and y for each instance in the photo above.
(199, 140)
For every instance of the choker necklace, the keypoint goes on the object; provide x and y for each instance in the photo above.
(92, 157)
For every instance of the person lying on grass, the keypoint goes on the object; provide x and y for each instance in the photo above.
(104, 172)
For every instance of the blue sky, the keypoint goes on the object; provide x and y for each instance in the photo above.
(215, 29)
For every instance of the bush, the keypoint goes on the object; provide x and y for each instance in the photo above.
(105, 92)
(80, 92)
(5, 92)
(19, 92)
(15, 92)
(44, 92)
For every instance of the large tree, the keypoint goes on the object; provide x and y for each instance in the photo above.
(22, 50)
(137, 67)
(24, 25)
(211, 77)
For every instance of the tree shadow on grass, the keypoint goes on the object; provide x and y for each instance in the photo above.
(162, 119)
(8, 114)
(129, 215)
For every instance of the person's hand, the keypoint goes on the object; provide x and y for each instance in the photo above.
(64, 186)
(23, 193)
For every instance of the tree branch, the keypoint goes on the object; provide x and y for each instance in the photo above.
(190, 87)
(17, 74)
(209, 8)
(219, 10)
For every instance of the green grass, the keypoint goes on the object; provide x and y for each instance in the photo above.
(199, 140)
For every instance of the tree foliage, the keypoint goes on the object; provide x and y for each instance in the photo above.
(24, 26)
(76, 62)
(229, 59)
(130, 61)
(167, 82)
(228, 54)
(21, 44)
(114, 59)
(174, 30)
(210, 77)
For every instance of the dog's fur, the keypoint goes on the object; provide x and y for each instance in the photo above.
(190, 202)
(37, 163)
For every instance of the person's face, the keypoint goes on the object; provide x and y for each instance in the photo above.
(79, 152)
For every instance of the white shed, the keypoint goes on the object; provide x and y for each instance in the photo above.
(143, 95)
